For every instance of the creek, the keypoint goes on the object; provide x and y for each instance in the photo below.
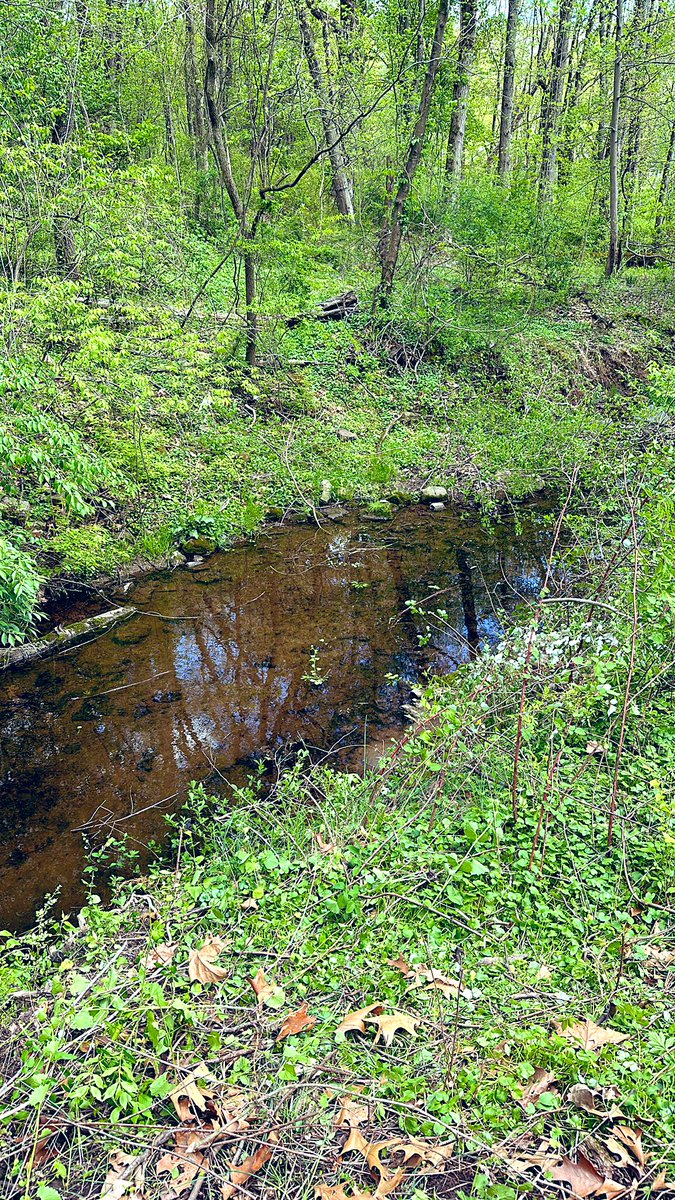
(310, 636)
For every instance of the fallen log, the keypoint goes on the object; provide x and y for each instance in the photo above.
(335, 309)
(62, 639)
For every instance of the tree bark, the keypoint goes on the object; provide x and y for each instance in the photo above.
(221, 151)
(552, 105)
(614, 252)
(468, 23)
(194, 99)
(664, 187)
(390, 242)
(342, 188)
(65, 249)
(508, 91)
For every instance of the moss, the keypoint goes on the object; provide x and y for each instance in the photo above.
(88, 550)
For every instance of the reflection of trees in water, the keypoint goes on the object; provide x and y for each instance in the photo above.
(227, 684)
(468, 599)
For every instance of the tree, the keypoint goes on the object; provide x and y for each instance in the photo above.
(508, 90)
(342, 188)
(614, 251)
(551, 109)
(392, 232)
(468, 23)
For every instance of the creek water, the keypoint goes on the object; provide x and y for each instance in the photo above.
(309, 636)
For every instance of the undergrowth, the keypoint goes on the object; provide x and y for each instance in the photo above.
(522, 947)
(124, 433)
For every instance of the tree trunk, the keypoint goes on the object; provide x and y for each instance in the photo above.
(665, 184)
(65, 250)
(221, 151)
(614, 252)
(390, 243)
(468, 22)
(508, 91)
(342, 188)
(552, 105)
(194, 93)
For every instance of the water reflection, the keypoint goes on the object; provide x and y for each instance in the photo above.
(214, 669)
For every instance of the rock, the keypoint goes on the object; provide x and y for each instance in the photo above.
(175, 560)
(199, 545)
(326, 491)
(437, 506)
(14, 510)
(346, 435)
(400, 497)
(196, 561)
(433, 493)
(276, 514)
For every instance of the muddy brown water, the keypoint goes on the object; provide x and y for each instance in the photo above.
(217, 670)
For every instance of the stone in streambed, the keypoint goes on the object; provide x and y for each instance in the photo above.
(326, 491)
(431, 493)
(199, 545)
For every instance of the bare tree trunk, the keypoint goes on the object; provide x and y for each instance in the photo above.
(552, 105)
(508, 91)
(614, 252)
(665, 184)
(65, 250)
(468, 22)
(342, 188)
(194, 93)
(634, 89)
(221, 151)
(392, 232)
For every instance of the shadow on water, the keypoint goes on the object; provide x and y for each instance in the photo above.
(221, 667)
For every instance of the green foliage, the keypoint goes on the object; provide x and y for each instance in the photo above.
(19, 589)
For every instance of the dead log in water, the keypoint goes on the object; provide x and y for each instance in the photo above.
(63, 639)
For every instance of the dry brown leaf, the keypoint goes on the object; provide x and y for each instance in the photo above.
(589, 1035)
(324, 1191)
(539, 1083)
(201, 962)
(187, 1163)
(159, 956)
(619, 1151)
(385, 1187)
(124, 1181)
(399, 964)
(611, 1189)
(322, 845)
(355, 1021)
(352, 1113)
(370, 1151)
(582, 1176)
(389, 1024)
(632, 1139)
(187, 1096)
(251, 903)
(660, 1182)
(240, 1175)
(296, 1022)
(583, 1097)
(266, 992)
(418, 1151)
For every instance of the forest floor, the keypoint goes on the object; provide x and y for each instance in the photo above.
(453, 976)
